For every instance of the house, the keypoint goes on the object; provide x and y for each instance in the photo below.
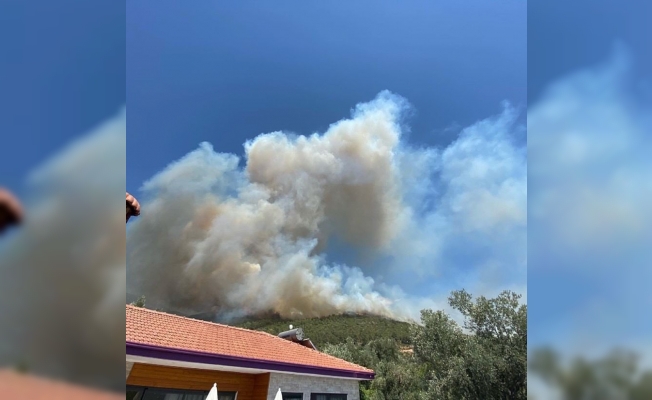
(170, 354)
(18, 386)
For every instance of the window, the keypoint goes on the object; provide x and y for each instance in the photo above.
(170, 394)
(292, 396)
(327, 396)
(145, 393)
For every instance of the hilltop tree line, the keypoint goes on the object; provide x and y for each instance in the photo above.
(336, 329)
(485, 358)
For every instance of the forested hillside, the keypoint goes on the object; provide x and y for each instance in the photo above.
(336, 329)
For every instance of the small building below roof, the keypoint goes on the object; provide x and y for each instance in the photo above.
(172, 354)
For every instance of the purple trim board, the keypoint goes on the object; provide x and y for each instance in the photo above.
(166, 353)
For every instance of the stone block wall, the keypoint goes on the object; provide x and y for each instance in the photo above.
(290, 383)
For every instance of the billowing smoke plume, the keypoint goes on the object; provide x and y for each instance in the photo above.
(214, 236)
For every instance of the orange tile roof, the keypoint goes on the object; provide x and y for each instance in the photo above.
(154, 328)
(18, 386)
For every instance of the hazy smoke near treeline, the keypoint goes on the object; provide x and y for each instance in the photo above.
(214, 236)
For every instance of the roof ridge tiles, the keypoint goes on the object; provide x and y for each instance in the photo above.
(195, 320)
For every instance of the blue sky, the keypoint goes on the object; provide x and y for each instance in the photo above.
(62, 73)
(225, 72)
(582, 298)
(566, 36)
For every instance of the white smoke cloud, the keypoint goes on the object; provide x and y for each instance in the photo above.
(590, 164)
(478, 199)
(242, 241)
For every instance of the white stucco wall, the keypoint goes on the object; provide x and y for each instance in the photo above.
(311, 384)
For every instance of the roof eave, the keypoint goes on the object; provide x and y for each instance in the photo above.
(166, 353)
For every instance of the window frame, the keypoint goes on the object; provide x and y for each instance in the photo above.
(295, 394)
(313, 396)
(235, 395)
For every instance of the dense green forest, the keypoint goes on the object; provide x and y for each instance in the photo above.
(484, 358)
(336, 329)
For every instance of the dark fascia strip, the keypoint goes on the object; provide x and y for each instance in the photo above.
(166, 353)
